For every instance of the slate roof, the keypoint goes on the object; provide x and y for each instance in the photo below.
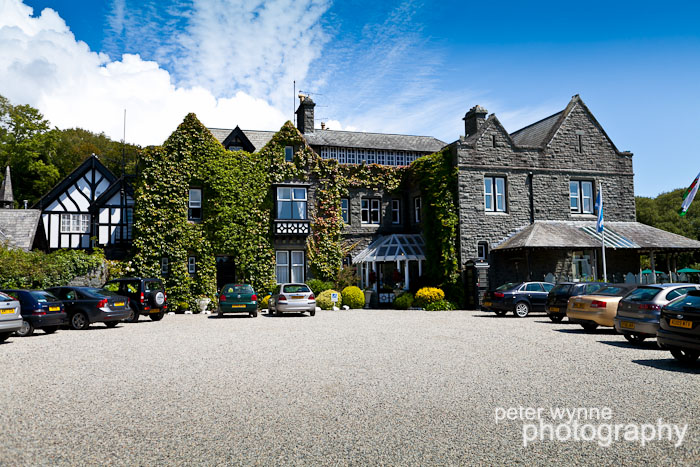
(258, 138)
(581, 234)
(535, 135)
(18, 227)
(220, 133)
(356, 139)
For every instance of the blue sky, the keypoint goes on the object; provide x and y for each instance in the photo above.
(393, 66)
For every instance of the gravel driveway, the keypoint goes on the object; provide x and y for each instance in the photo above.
(348, 387)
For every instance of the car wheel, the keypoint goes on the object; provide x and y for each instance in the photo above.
(133, 317)
(111, 324)
(157, 316)
(278, 312)
(26, 330)
(556, 318)
(312, 312)
(589, 327)
(158, 299)
(634, 338)
(253, 314)
(50, 329)
(500, 313)
(685, 356)
(522, 309)
(79, 321)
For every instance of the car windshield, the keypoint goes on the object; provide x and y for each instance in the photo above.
(296, 288)
(237, 289)
(95, 292)
(561, 289)
(613, 290)
(507, 286)
(111, 286)
(152, 286)
(643, 294)
(547, 286)
(680, 304)
(43, 297)
(5, 298)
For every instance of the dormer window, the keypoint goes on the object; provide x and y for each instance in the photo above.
(291, 203)
(194, 205)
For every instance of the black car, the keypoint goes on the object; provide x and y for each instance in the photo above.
(559, 296)
(679, 327)
(40, 310)
(146, 296)
(86, 305)
(518, 297)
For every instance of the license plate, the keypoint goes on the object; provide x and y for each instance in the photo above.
(237, 306)
(681, 323)
(626, 325)
(7, 312)
(54, 308)
(297, 297)
(554, 309)
(579, 305)
(155, 310)
(487, 303)
(119, 304)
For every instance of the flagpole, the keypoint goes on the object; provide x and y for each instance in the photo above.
(600, 222)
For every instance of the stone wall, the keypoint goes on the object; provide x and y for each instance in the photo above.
(95, 278)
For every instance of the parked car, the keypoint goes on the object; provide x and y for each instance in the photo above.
(292, 298)
(559, 296)
(598, 309)
(518, 297)
(146, 296)
(238, 298)
(86, 305)
(639, 311)
(40, 310)
(10, 316)
(679, 327)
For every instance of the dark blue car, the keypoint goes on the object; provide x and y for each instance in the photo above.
(519, 298)
(40, 310)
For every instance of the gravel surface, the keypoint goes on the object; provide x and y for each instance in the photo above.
(347, 387)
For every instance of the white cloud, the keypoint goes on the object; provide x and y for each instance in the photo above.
(42, 64)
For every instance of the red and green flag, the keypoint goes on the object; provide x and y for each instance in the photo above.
(689, 195)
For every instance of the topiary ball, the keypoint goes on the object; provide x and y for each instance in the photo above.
(324, 300)
(353, 297)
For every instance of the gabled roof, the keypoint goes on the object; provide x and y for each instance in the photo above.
(535, 134)
(363, 140)
(88, 164)
(112, 190)
(18, 227)
(257, 138)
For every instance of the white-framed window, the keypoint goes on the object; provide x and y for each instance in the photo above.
(75, 223)
(290, 266)
(371, 208)
(194, 205)
(191, 264)
(345, 209)
(164, 265)
(482, 250)
(291, 203)
(395, 211)
(495, 194)
(288, 153)
(581, 197)
(417, 208)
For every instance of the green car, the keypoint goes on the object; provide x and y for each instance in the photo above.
(238, 298)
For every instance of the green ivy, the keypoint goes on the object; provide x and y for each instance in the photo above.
(39, 270)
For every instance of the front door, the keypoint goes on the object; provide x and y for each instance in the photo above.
(225, 271)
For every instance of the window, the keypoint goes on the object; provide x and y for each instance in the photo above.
(370, 211)
(164, 265)
(291, 203)
(288, 153)
(191, 264)
(493, 140)
(75, 223)
(579, 148)
(482, 250)
(395, 211)
(495, 194)
(581, 197)
(417, 205)
(345, 209)
(194, 204)
(533, 287)
(289, 271)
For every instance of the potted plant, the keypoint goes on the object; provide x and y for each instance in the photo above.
(202, 303)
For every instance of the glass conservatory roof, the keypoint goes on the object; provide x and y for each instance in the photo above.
(395, 247)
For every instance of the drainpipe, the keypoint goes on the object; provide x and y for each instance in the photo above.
(532, 198)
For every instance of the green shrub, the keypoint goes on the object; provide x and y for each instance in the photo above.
(404, 301)
(353, 297)
(317, 286)
(37, 270)
(265, 302)
(347, 276)
(323, 300)
(440, 305)
(428, 295)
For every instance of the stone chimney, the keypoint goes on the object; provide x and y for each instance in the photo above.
(474, 119)
(7, 200)
(305, 114)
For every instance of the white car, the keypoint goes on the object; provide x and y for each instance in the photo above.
(292, 298)
(10, 316)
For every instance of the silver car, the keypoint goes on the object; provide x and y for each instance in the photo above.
(639, 311)
(296, 298)
(10, 316)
